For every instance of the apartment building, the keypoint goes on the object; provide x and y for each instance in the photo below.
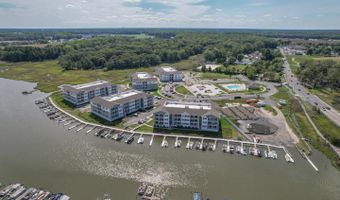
(119, 105)
(83, 93)
(144, 81)
(187, 115)
(169, 74)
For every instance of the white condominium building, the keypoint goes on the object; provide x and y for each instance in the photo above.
(83, 93)
(187, 115)
(144, 81)
(119, 105)
(169, 74)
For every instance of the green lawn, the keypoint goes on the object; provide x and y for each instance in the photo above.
(183, 90)
(145, 128)
(86, 116)
(211, 75)
(330, 130)
(189, 64)
(228, 131)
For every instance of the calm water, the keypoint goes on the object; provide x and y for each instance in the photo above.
(39, 152)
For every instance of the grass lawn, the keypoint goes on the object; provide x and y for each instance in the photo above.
(295, 60)
(86, 116)
(211, 75)
(327, 127)
(183, 90)
(228, 131)
(222, 103)
(145, 128)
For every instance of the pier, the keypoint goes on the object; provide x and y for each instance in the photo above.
(202, 144)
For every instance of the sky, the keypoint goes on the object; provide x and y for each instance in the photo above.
(267, 14)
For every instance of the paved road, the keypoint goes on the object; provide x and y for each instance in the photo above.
(303, 93)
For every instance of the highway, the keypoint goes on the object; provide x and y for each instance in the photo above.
(302, 92)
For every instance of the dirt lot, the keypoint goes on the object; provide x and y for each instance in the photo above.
(283, 136)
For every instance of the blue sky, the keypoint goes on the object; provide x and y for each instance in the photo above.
(269, 14)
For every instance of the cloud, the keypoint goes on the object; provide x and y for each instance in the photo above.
(169, 13)
(69, 6)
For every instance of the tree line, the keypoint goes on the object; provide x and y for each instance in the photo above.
(117, 52)
(320, 73)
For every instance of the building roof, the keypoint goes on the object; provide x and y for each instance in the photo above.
(167, 70)
(120, 98)
(192, 108)
(142, 76)
(87, 86)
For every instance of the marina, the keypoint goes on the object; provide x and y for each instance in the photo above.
(18, 191)
(202, 143)
(86, 167)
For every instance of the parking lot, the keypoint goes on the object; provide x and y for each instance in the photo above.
(204, 90)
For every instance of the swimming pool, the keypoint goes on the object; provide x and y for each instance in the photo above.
(234, 87)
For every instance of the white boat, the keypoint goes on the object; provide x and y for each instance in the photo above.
(238, 149)
(265, 154)
(274, 155)
(228, 148)
(178, 143)
(243, 151)
(140, 140)
(188, 145)
(164, 144)
(191, 145)
(214, 147)
(232, 149)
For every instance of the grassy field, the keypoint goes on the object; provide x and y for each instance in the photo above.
(86, 116)
(327, 127)
(189, 64)
(49, 74)
(228, 131)
(183, 90)
(295, 60)
(211, 75)
(298, 121)
(145, 128)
